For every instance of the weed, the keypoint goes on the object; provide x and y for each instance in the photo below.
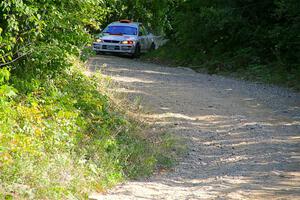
(63, 137)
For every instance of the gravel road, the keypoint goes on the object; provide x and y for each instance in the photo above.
(243, 138)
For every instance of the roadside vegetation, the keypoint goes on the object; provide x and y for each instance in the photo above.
(61, 136)
(253, 39)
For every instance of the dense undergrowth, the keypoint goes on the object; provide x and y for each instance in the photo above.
(237, 67)
(62, 138)
(253, 39)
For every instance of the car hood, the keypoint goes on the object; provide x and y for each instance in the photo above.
(118, 37)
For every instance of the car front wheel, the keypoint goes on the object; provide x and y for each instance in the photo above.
(137, 52)
(153, 47)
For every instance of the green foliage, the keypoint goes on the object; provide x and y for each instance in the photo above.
(225, 36)
(63, 138)
(60, 137)
(42, 33)
(151, 13)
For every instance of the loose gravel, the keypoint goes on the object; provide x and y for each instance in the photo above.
(243, 138)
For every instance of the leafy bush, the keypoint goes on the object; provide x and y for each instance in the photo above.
(60, 136)
(63, 138)
(40, 34)
(225, 36)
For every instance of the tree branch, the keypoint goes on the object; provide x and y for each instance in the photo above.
(14, 60)
(17, 52)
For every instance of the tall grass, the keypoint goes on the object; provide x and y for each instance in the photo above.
(61, 137)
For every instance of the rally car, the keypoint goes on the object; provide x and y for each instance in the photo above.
(125, 37)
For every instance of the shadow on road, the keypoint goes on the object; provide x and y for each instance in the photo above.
(243, 138)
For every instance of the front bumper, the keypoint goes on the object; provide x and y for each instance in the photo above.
(112, 47)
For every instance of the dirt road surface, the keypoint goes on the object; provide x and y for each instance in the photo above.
(243, 138)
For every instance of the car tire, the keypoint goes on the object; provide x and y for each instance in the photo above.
(137, 51)
(153, 47)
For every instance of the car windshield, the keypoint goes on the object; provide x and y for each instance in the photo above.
(124, 30)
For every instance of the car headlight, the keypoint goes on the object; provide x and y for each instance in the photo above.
(127, 42)
(98, 40)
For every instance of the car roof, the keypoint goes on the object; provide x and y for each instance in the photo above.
(131, 24)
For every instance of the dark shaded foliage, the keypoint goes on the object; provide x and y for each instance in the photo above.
(259, 37)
